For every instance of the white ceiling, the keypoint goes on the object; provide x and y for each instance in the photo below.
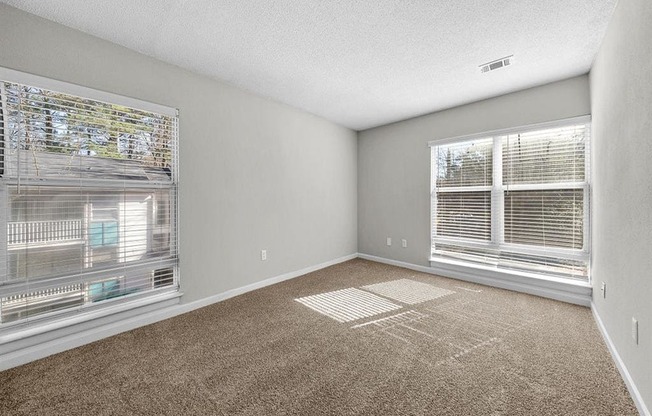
(355, 62)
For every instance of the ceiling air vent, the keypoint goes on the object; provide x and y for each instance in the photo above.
(497, 64)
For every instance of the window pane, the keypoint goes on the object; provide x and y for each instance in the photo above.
(36, 303)
(546, 156)
(464, 215)
(59, 230)
(54, 135)
(90, 197)
(544, 264)
(465, 164)
(62, 298)
(545, 218)
(543, 205)
(474, 255)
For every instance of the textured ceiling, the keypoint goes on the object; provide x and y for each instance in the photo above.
(360, 63)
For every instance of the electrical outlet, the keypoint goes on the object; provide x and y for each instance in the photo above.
(263, 254)
(603, 290)
(404, 243)
(635, 330)
(389, 241)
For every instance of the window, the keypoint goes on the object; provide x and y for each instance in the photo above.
(88, 193)
(103, 233)
(515, 199)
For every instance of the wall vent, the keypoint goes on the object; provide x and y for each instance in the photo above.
(497, 64)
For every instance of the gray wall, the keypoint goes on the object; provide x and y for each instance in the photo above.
(394, 162)
(255, 174)
(621, 101)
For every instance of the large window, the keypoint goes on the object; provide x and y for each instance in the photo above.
(88, 194)
(515, 200)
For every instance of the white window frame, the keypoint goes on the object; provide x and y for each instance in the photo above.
(497, 198)
(12, 332)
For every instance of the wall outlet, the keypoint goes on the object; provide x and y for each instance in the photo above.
(389, 241)
(603, 290)
(263, 254)
(635, 330)
(404, 243)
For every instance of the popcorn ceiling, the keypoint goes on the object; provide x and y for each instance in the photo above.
(358, 63)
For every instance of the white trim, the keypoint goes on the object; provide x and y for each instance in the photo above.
(586, 119)
(33, 346)
(40, 345)
(565, 253)
(497, 216)
(263, 283)
(578, 293)
(434, 168)
(415, 267)
(498, 188)
(457, 189)
(18, 334)
(19, 77)
(629, 382)
(545, 186)
(88, 182)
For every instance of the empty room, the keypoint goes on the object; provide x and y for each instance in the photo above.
(285, 207)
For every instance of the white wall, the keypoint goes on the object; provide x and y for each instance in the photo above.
(394, 162)
(621, 101)
(255, 174)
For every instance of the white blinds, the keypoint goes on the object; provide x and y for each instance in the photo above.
(467, 163)
(550, 218)
(516, 200)
(546, 171)
(545, 156)
(463, 181)
(88, 196)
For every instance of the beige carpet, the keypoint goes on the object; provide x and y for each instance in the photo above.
(445, 347)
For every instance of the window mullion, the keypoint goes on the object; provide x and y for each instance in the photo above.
(586, 226)
(497, 194)
(4, 116)
(433, 196)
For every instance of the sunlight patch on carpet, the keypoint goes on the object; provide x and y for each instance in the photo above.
(389, 321)
(408, 291)
(348, 305)
(449, 331)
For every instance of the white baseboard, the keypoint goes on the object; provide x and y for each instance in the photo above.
(187, 307)
(416, 267)
(579, 294)
(37, 346)
(629, 382)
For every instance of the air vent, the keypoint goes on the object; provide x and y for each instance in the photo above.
(497, 64)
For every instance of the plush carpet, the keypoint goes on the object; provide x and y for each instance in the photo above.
(358, 338)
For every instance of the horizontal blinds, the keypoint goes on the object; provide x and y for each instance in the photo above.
(550, 218)
(90, 196)
(515, 201)
(50, 135)
(463, 176)
(464, 164)
(546, 156)
(464, 215)
(545, 217)
(546, 264)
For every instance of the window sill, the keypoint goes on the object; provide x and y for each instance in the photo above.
(108, 320)
(567, 290)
